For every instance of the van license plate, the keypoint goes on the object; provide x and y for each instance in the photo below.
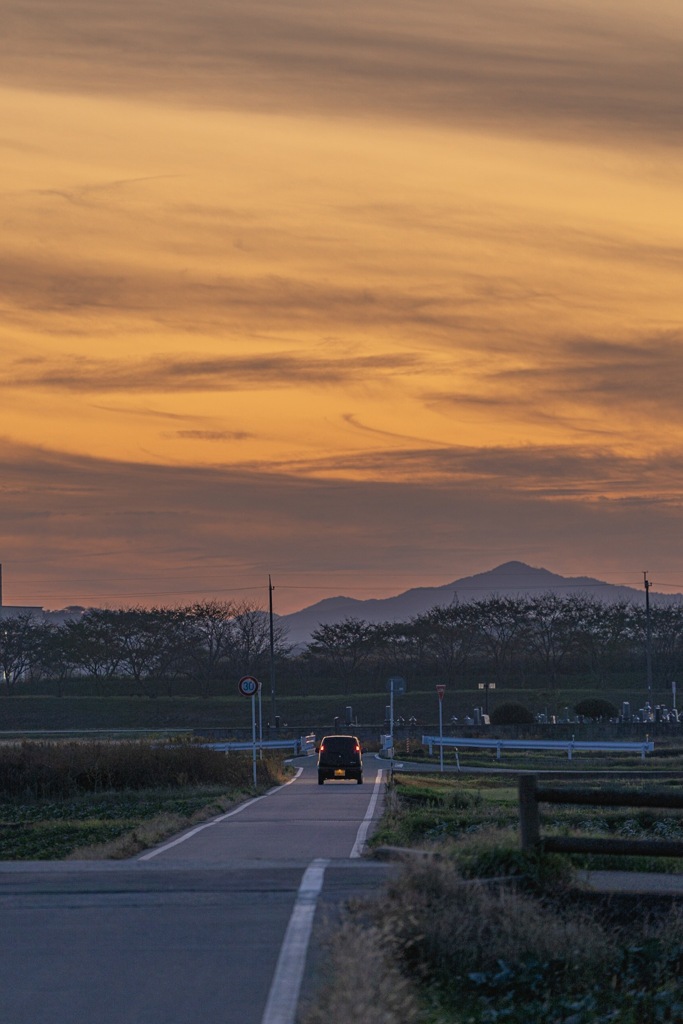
(340, 771)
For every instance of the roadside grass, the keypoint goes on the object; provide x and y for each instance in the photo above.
(112, 800)
(456, 951)
(441, 813)
(483, 933)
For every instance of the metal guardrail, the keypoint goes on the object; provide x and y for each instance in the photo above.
(641, 747)
(531, 795)
(303, 745)
(248, 745)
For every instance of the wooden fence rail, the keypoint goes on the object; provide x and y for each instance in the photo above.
(531, 795)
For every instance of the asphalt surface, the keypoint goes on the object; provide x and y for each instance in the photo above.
(298, 821)
(193, 933)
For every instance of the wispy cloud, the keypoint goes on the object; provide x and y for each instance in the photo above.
(213, 435)
(275, 301)
(196, 373)
(547, 471)
(570, 69)
(59, 507)
(593, 373)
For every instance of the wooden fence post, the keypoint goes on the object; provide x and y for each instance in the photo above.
(528, 813)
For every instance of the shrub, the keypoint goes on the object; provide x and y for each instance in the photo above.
(39, 770)
(534, 871)
(512, 714)
(446, 927)
(596, 707)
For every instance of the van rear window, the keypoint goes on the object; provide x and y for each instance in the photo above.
(339, 744)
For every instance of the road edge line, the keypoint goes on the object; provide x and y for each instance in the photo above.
(365, 823)
(214, 821)
(283, 997)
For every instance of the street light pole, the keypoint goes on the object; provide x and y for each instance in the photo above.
(272, 651)
(486, 687)
(648, 637)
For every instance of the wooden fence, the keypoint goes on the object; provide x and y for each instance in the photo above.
(531, 794)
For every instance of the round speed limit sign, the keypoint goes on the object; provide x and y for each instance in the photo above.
(248, 686)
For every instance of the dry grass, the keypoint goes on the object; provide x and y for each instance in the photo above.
(59, 769)
(365, 983)
(149, 833)
(451, 925)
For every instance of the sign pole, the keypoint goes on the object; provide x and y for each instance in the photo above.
(395, 686)
(260, 725)
(248, 686)
(391, 715)
(440, 689)
(253, 737)
(440, 735)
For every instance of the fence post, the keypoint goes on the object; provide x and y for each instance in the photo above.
(528, 812)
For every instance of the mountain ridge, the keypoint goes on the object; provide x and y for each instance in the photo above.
(510, 579)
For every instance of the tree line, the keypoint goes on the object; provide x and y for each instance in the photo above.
(513, 641)
(203, 641)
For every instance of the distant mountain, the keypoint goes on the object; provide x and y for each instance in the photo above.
(510, 579)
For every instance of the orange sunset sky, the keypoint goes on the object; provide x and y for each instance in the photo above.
(364, 295)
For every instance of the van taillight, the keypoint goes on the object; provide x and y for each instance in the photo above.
(357, 749)
(322, 747)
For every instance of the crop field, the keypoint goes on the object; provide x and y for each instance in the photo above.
(87, 800)
(463, 817)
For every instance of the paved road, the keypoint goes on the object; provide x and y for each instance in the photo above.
(194, 932)
(301, 820)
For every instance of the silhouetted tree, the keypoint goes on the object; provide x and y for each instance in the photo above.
(345, 646)
(18, 647)
(447, 635)
(502, 630)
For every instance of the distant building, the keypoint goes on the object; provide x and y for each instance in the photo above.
(12, 611)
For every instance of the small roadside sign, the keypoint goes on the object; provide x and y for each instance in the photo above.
(248, 686)
(440, 689)
(397, 685)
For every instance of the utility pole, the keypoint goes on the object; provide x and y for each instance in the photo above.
(648, 638)
(272, 652)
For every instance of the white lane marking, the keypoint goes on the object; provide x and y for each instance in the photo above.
(215, 821)
(283, 997)
(365, 824)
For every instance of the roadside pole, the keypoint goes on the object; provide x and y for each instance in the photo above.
(260, 725)
(391, 726)
(253, 738)
(248, 686)
(395, 685)
(440, 689)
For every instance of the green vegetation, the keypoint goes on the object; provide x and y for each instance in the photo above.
(454, 951)
(484, 933)
(544, 651)
(465, 817)
(512, 713)
(596, 708)
(114, 708)
(87, 799)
